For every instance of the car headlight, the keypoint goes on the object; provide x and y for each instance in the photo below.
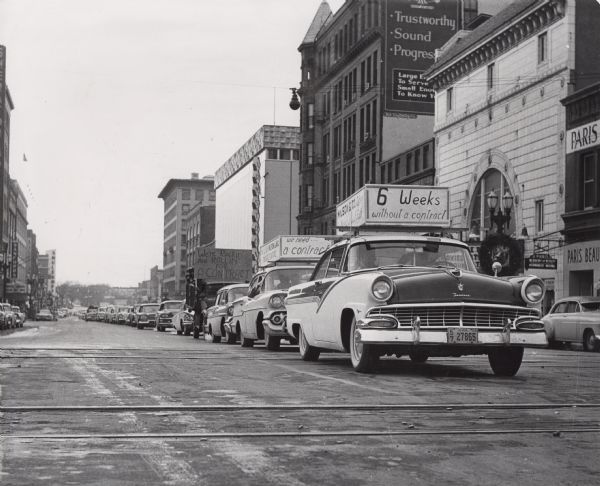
(532, 290)
(382, 288)
(277, 301)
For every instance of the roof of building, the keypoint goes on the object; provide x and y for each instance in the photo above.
(320, 19)
(484, 31)
(173, 184)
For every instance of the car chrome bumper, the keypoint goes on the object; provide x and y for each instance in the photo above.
(275, 323)
(489, 337)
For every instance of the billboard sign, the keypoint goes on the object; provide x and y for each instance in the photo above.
(414, 29)
(293, 249)
(223, 265)
(402, 206)
(14, 263)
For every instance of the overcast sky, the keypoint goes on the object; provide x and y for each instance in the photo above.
(114, 97)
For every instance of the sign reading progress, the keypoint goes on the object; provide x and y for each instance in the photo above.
(414, 29)
(409, 206)
(293, 248)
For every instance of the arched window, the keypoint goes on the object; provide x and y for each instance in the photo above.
(480, 223)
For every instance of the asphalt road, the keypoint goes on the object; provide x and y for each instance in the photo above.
(93, 403)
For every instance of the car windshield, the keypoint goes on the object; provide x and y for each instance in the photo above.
(171, 305)
(414, 253)
(284, 278)
(590, 306)
(149, 308)
(237, 293)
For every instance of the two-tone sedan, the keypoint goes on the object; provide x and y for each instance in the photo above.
(146, 315)
(92, 313)
(419, 296)
(101, 314)
(183, 319)
(166, 312)
(122, 314)
(218, 319)
(574, 320)
(262, 314)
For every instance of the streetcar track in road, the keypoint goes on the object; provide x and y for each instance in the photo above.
(309, 434)
(448, 407)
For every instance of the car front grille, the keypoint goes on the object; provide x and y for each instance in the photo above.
(451, 315)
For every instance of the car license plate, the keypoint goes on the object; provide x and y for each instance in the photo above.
(462, 335)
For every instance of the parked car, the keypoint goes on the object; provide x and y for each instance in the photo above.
(19, 316)
(131, 316)
(145, 315)
(7, 316)
(62, 313)
(417, 296)
(210, 295)
(574, 320)
(183, 319)
(101, 314)
(122, 314)
(166, 311)
(217, 316)
(92, 313)
(262, 314)
(111, 313)
(45, 315)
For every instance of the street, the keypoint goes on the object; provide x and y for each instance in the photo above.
(94, 403)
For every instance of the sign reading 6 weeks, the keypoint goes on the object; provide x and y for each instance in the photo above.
(383, 205)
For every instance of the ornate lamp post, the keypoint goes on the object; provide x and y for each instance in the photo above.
(502, 217)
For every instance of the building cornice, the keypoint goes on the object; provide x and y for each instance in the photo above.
(499, 43)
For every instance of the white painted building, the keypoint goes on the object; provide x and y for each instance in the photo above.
(499, 123)
(257, 190)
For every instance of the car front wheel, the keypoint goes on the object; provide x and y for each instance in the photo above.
(506, 361)
(590, 343)
(307, 352)
(364, 357)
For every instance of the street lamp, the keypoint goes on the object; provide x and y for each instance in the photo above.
(501, 217)
(294, 102)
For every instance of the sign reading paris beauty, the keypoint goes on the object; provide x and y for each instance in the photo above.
(400, 206)
(414, 29)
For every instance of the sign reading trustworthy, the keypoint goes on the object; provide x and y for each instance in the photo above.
(293, 248)
(380, 205)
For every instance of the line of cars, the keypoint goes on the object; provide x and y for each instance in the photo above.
(161, 316)
(11, 316)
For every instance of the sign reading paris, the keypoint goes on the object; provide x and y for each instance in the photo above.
(414, 30)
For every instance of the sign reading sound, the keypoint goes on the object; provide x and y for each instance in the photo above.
(414, 30)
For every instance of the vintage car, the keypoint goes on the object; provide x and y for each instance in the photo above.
(111, 313)
(262, 313)
(209, 295)
(145, 315)
(19, 316)
(166, 312)
(218, 320)
(574, 320)
(45, 315)
(183, 319)
(122, 314)
(413, 295)
(101, 314)
(92, 313)
(7, 316)
(131, 315)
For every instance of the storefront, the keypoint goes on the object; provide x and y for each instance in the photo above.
(582, 193)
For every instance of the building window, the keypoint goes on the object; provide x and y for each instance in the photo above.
(361, 171)
(295, 154)
(185, 208)
(309, 196)
(490, 76)
(449, 99)
(417, 160)
(542, 48)
(185, 194)
(285, 154)
(408, 164)
(425, 157)
(375, 69)
(272, 154)
(539, 216)
(310, 118)
(309, 153)
(590, 186)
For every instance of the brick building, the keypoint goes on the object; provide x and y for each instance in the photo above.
(366, 116)
(179, 196)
